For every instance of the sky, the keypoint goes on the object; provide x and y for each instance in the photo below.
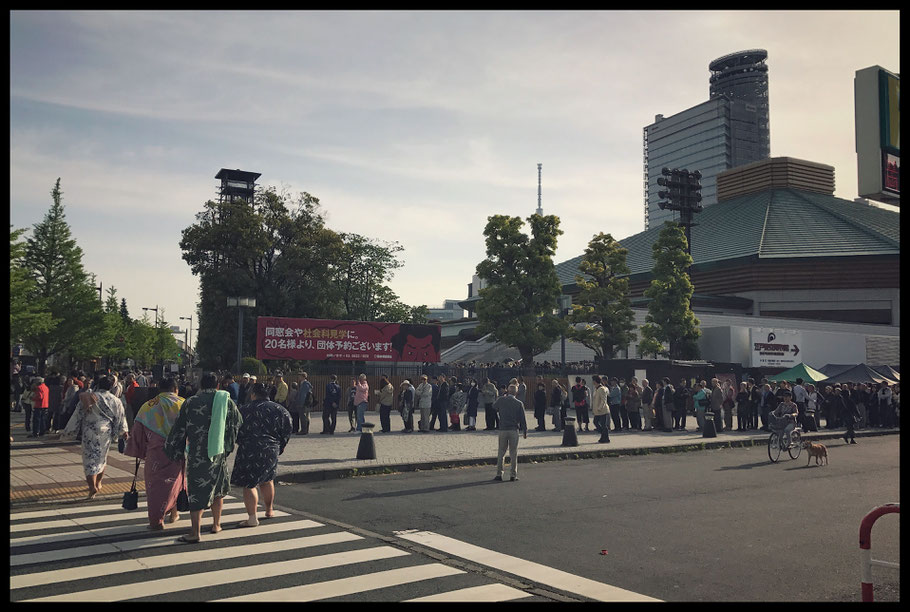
(408, 126)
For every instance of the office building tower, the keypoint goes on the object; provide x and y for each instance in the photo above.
(729, 130)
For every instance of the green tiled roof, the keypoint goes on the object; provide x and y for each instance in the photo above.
(777, 223)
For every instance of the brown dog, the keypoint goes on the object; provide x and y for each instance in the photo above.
(818, 451)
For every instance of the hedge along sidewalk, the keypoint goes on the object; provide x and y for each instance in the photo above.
(539, 456)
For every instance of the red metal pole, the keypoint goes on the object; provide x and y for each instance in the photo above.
(865, 545)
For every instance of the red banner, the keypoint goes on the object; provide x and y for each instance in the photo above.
(325, 339)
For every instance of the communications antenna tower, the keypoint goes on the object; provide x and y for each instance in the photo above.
(539, 207)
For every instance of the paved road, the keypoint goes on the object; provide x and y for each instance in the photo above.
(717, 525)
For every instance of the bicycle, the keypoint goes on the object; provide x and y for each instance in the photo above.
(776, 445)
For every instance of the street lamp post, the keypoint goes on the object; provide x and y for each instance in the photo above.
(189, 338)
(565, 302)
(240, 303)
(156, 313)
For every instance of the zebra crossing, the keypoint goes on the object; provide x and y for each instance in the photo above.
(103, 553)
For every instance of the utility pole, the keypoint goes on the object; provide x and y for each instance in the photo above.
(682, 193)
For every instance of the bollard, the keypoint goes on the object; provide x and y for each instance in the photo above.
(811, 423)
(367, 448)
(569, 437)
(708, 429)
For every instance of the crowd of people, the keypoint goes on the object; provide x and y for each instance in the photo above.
(185, 434)
(463, 369)
(444, 403)
(49, 402)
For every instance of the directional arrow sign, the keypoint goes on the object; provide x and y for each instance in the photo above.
(795, 350)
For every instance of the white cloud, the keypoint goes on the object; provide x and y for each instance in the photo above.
(409, 126)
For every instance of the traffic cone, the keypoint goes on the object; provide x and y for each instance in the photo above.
(367, 448)
(569, 437)
(708, 429)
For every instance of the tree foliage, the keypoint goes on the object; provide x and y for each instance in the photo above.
(602, 304)
(66, 291)
(278, 249)
(27, 312)
(670, 318)
(522, 289)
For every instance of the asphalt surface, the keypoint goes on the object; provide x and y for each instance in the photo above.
(715, 525)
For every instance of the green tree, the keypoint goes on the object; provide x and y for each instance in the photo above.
(603, 304)
(275, 248)
(28, 313)
(365, 265)
(164, 345)
(54, 262)
(278, 249)
(141, 342)
(670, 318)
(519, 302)
(124, 312)
(115, 329)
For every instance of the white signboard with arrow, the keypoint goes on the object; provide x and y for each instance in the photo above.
(775, 348)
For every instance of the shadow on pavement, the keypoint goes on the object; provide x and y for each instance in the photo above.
(316, 461)
(745, 466)
(422, 491)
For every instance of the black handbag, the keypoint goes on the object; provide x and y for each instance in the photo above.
(131, 497)
(183, 501)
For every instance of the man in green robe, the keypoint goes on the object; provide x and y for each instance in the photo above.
(204, 434)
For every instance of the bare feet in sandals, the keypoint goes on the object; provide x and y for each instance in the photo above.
(215, 529)
(173, 517)
(248, 523)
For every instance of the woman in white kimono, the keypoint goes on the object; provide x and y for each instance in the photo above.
(100, 419)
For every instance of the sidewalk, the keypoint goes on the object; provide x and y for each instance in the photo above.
(49, 470)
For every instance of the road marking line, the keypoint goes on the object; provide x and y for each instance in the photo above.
(125, 566)
(230, 510)
(40, 514)
(348, 586)
(67, 510)
(66, 521)
(535, 572)
(199, 580)
(486, 592)
(81, 550)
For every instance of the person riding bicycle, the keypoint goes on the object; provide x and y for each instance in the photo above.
(785, 414)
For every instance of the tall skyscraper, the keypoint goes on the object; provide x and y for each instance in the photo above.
(731, 129)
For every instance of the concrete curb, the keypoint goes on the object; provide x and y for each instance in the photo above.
(537, 457)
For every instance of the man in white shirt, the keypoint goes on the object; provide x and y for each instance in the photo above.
(423, 399)
(800, 396)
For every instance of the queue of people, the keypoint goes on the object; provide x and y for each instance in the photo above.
(185, 435)
(446, 403)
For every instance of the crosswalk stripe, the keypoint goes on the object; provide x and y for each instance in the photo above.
(486, 592)
(348, 586)
(92, 520)
(126, 566)
(91, 508)
(143, 543)
(66, 511)
(188, 582)
(526, 569)
(229, 513)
